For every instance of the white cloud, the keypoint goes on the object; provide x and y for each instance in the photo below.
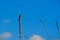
(0, 36)
(5, 35)
(36, 37)
(6, 20)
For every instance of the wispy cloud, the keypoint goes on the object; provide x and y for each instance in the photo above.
(6, 20)
(36, 37)
(6, 35)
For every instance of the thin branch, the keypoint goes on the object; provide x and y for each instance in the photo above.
(57, 27)
(20, 27)
(44, 26)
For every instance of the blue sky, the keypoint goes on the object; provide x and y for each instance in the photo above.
(32, 11)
